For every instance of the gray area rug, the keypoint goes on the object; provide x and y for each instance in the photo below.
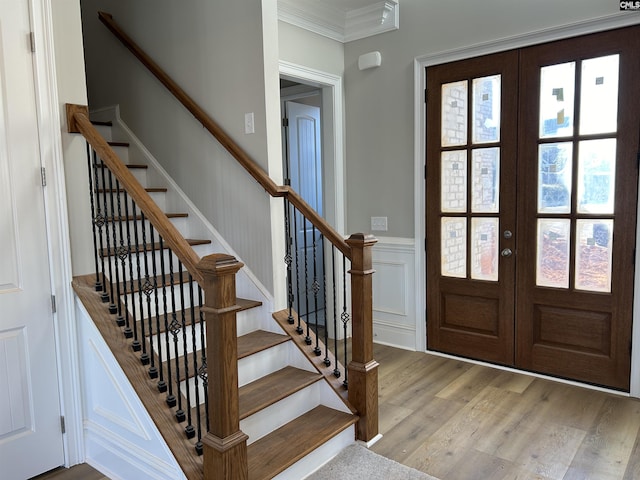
(359, 463)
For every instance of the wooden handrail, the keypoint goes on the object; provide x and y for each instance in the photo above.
(78, 122)
(226, 141)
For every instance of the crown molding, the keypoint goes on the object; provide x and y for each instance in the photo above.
(340, 24)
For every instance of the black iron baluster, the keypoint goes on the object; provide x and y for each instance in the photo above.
(153, 369)
(345, 320)
(130, 332)
(94, 224)
(138, 332)
(327, 361)
(336, 370)
(119, 317)
(288, 258)
(203, 367)
(299, 329)
(105, 203)
(99, 220)
(175, 329)
(194, 346)
(307, 339)
(188, 430)
(122, 253)
(145, 289)
(316, 288)
(162, 384)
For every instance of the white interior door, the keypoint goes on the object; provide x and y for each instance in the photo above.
(305, 173)
(30, 432)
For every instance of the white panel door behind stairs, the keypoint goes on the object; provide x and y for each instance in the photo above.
(30, 432)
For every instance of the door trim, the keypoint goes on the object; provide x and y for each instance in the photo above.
(608, 22)
(52, 158)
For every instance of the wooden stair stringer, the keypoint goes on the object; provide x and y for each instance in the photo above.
(336, 384)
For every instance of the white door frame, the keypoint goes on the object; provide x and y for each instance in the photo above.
(59, 244)
(609, 22)
(332, 136)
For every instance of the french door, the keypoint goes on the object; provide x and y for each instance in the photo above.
(532, 174)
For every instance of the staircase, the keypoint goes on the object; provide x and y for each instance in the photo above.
(293, 418)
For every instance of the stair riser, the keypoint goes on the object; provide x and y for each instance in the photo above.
(179, 222)
(267, 420)
(139, 173)
(319, 456)
(151, 257)
(105, 205)
(105, 131)
(252, 367)
(121, 151)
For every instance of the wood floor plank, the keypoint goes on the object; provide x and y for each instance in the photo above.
(609, 443)
(521, 427)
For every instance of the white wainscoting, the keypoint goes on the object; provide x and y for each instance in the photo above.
(121, 440)
(394, 293)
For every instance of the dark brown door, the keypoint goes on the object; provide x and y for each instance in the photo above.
(531, 206)
(471, 151)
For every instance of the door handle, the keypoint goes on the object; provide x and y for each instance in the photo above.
(507, 252)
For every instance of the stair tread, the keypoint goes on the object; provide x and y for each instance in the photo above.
(258, 341)
(283, 447)
(103, 123)
(243, 303)
(155, 246)
(272, 388)
(118, 144)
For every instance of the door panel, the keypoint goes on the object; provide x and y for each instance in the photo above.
(470, 206)
(30, 434)
(305, 174)
(541, 280)
(578, 151)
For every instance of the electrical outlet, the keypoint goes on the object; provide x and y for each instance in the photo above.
(379, 223)
(249, 126)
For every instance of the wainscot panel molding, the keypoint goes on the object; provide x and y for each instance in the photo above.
(394, 293)
(121, 440)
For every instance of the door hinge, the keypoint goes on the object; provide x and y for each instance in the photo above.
(425, 172)
(32, 42)
(426, 97)
(43, 176)
(638, 158)
(53, 304)
(285, 122)
(425, 244)
(62, 425)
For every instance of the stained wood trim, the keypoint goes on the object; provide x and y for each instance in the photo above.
(145, 387)
(78, 122)
(255, 170)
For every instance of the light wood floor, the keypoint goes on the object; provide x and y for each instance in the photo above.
(459, 421)
(79, 472)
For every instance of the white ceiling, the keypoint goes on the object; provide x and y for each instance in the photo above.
(341, 20)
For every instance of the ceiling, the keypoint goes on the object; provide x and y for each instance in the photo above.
(341, 20)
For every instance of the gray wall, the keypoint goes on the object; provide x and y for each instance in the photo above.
(214, 50)
(379, 102)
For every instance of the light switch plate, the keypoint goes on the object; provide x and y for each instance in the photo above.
(379, 223)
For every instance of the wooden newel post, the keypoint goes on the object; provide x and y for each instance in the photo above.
(363, 369)
(225, 445)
